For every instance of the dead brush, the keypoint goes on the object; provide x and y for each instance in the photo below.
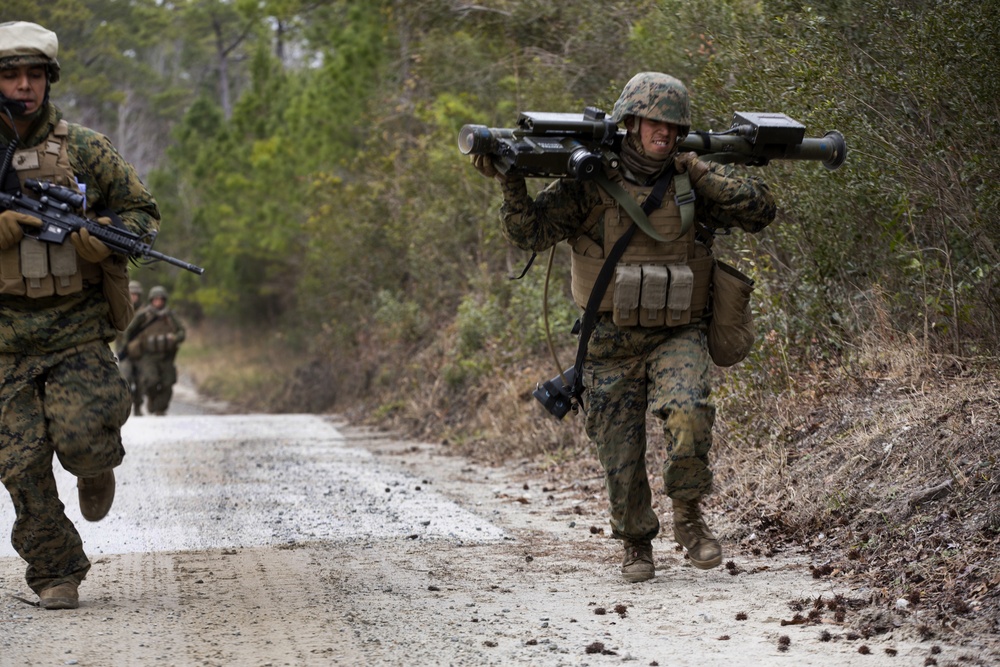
(891, 447)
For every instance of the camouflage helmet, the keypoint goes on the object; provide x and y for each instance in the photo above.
(24, 43)
(158, 292)
(134, 287)
(655, 96)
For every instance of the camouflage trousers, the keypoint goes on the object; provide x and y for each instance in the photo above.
(128, 371)
(156, 375)
(628, 372)
(71, 404)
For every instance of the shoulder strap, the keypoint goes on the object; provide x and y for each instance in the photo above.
(684, 197)
(653, 202)
(630, 205)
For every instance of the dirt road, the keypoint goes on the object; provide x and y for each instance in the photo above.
(293, 540)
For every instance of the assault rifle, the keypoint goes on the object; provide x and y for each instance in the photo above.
(56, 206)
(561, 144)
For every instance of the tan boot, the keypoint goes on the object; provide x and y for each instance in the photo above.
(96, 495)
(691, 532)
(63, 596)
(638, 562)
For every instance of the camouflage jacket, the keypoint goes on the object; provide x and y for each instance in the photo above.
(42, 326)
(725, 199)
(149, 322)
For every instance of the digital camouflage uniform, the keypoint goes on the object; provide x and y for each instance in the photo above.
(630, 370)
(62, 392)
(125, 365)
(152, 340)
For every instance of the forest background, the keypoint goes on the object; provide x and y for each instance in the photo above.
(305, 153)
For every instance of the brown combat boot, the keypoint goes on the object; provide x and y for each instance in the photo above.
(638, 562)
(63, 596)
(96, 495)
(691, 532)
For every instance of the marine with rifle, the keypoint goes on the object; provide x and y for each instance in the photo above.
(61, 304)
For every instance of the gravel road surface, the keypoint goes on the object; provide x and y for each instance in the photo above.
(271, 540)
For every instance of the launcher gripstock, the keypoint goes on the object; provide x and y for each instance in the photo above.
(562, 144)
(547, 144)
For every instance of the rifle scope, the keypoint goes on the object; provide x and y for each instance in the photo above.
(55, 192)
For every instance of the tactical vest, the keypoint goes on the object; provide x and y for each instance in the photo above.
(34, 268)
(154, 337)
(656, 283)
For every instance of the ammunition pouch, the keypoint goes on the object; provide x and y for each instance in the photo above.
(679, 297)
(731, 331)
(655, 290)
(651, 295)
(157, 334)
(628, 287)
(37, 270)
(159, 343)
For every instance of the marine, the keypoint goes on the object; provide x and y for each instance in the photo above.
(61, 307)
(648, 353)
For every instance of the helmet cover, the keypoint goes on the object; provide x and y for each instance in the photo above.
(656, 96)
(24, 43)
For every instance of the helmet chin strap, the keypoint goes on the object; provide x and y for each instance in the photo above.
(634, 137)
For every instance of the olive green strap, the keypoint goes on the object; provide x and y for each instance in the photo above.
(630, 205)
(683, 196)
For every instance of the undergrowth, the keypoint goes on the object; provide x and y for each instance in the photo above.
(884, 467)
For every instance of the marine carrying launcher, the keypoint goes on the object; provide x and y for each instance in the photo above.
(577, 145)
(560, 145)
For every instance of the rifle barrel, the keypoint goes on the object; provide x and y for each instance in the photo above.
(154, 254)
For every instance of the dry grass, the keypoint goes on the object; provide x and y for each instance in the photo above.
(493, 418)
(885, 467)
(249, 372)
